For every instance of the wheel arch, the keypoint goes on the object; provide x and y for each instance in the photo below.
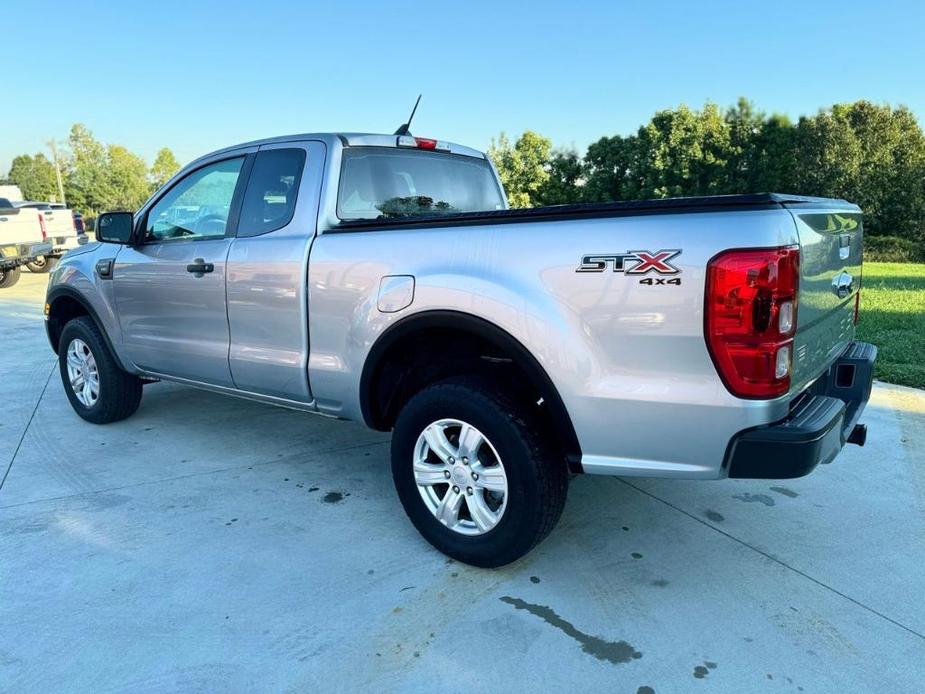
(62, 305)
(379, 414)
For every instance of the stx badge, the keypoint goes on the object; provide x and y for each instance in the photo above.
(632, 263)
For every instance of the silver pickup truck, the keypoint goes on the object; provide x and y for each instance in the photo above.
(381, 278)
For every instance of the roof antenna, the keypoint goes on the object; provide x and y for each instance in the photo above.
(405, 129)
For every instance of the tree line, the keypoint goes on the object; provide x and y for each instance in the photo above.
(95, 176)
(870, 154)
(873, 155)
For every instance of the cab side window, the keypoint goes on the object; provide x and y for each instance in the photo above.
(198, 206)
(270, 198)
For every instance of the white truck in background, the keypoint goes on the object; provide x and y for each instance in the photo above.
(23, 238)
(61, 230)
(11, 192)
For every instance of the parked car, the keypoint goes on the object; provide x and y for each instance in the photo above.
(62, 231)
(382, 279)
(22, 239)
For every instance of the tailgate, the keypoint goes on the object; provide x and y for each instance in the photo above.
(19, 226)
(831, 244)
(59, 223)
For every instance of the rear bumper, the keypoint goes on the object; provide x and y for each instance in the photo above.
(62, 244)
(13, 254)
(819, 424)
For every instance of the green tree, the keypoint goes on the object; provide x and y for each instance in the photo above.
(683, 152)
(902, 206)
(610, 169)
(744, 124)
(165, 165)
(772, 163)
(869, 154)
(35, 176)
(829, 156)
(522, 166)
(127, 186)
(565, 183)
(87, 184)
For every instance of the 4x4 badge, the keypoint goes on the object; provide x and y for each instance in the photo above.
(632, 262)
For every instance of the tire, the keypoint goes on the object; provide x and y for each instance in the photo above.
(42, 264)
(118, 393)
(9, 277)
(534, 470)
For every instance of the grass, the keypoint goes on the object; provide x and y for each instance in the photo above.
(893, 318)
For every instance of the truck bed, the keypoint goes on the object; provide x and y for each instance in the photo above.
(622, 208)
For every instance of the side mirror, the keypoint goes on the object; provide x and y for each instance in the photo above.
(114, 227)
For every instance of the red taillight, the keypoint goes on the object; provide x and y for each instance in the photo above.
(750, 318)
(42, 225)
(422, 143)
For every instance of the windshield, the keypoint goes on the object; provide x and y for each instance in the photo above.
(385, 183)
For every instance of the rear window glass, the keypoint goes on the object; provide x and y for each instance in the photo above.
(385, 183)
(269, 202)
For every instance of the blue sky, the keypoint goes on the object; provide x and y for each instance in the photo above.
(196, 76)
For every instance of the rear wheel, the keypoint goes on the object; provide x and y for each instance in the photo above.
(474, 474)
(42, 264)
(9, 277)
(98, 390)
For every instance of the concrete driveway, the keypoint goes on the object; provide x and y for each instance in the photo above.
(213, 544)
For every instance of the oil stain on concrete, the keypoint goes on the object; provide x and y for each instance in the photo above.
(714, 516)
(753, 498)
(615, 652)
(702, 671)
(786, 492)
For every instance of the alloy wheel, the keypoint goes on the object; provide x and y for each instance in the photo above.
(460, 477)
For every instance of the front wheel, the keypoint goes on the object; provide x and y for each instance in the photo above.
(42, 264)
(99, 391)
(9, 277)
(474, 474)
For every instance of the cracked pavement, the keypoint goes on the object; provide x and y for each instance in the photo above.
(211, 543)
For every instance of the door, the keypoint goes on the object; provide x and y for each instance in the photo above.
(170, 286)
(267, 270)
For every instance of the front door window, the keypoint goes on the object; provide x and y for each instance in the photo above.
(198, 206)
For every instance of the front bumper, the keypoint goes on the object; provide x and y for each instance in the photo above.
(820, 422)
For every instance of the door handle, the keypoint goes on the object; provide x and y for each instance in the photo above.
(199, 267)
